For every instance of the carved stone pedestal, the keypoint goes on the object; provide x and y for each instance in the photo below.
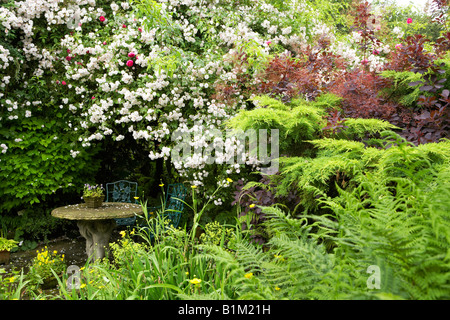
(97, 224)
(97, 234)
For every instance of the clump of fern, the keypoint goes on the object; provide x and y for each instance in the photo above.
(297, 122)
(399, 219)
(340, 163)
(400, 224)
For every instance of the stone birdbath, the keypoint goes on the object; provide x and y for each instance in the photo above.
(97, 224)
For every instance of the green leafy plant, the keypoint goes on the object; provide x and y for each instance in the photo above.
(12, 284)
(44, 266)
(219, 235)
(7, 244)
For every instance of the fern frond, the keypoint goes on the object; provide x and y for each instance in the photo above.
(305, 262)
(357, 128)
(279, 222)
(250, 257)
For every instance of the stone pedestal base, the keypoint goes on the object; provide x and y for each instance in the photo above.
(97, 234)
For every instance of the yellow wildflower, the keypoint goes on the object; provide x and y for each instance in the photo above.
(252, 205)
(83, 285)
(195, 281)
(194, 186)
(123, 233)
(277, 288)
(249, 275)
(161, 185)
(136, 198)
(229, 180)
(279, 257)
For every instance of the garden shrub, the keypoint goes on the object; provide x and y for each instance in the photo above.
(39, 163)
(120, 77)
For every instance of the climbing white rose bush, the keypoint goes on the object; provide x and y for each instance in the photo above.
(143, 69)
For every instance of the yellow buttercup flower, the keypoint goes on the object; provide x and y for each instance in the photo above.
(249, 275)
(123, 233)
(161, 185)
(193, 187)
(277, 288)
(195, 281)
(252, 205)
(229, 180)
(279, 257)
(136, 198)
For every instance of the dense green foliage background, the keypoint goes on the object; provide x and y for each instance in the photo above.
(360, 95)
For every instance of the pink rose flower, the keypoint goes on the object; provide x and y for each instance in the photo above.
(140, 29)
(104, 43)
(68, 58)
(398, 46)
(409, 20)
(124, 26)
(130, 63)
(131, 55)
(102, 18)
(268, 42)
(63, 83)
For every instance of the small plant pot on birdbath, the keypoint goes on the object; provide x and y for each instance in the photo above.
(94, 202)
(93, 196)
